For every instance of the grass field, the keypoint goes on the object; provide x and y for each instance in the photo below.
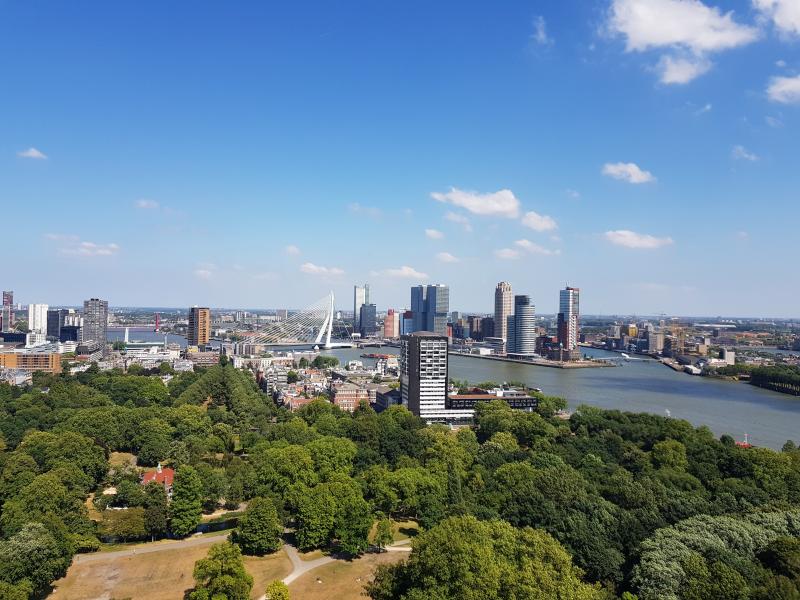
(402, 530)
(341, 580)
(162, 575)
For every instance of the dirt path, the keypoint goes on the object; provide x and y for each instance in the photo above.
(152, 547)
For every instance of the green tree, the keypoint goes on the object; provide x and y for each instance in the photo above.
(469, 559)
(156, 510)
(383, 533)
(126, 524)
(316, 514)
(670, 454)
(221, 575)
(187, 501)
(277, 590)
(292, 377)
(32, 554)
(259, 530)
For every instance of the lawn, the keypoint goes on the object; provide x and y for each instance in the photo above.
(164, 575)
(402, 530)
(341, 580)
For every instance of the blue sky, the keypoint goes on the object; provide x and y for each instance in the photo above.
(260, 154)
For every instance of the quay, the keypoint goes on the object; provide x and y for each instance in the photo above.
(540, 362)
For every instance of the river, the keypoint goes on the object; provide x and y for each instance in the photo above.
(769, 418)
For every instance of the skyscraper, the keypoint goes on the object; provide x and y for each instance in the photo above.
(367, 316)
(37, 318)
(568, 317)
(503, 308)
(360, 298)
(95, 321)
(430, 305)
(55, 321)
(199, 329)
(7, 314)
(423, 374)
(391, 324)
(523, 339)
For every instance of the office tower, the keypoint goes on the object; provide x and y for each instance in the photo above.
(7, 313)
(503, 308)
(95, 322)
(407, 322)
(437, 305)
(55, 321)
(391, 324)
(199, 326)
(367, 317)
(522, 327)
(430, 305)
(487, 327)
(423, 374)
(360, 298)
(8, 298)
(568, 315)
(37, 318)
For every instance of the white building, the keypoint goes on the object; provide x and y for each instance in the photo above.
(37, 318)
(503, 308)
(568, 315)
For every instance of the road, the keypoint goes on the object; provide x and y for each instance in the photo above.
(200, 540)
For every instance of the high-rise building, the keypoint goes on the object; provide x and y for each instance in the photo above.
(55, 321)
(7, 314)
(367, 317)
(360, 298)
(391, 324)
(199, 330)
(503, 308)
(522, 327)
(430, 305)
(37, 318)
(95, 322)
(568, 317)
(423, 374)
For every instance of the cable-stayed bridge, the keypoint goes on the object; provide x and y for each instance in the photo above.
(312, 325)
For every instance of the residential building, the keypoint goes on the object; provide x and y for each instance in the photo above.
(360, 298)
(568, 317)
(95, 322)
(523, 340)
(503, 308)
(160, 475)
(391, 324)
(199, 330)
(423, 377)
(368, 319)
(37, 318)
(40, 358)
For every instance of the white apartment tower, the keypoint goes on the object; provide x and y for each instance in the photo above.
(503, 308)
(37, 318)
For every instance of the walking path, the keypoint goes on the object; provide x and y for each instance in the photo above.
(199, 540)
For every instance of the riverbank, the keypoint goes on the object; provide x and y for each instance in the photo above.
(540, 362)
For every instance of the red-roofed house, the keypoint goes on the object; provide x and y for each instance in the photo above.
(160, 475)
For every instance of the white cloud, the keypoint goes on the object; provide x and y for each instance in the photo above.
(32, 153)
(404, 272)
(785, 90)
(785, 14)
(370, 211)
(204, 274)
(687, 24)
(773, 122)
(532, 248)
(433, 234)
(507, 254)
(743, 235)
(539, 34)
(313, 269)
(631, 239)
(703, 109)
(741, 153)
(629, 172)
(502, 203)
(459, 219)
(72, 245)
(446, 257)
(780, 63)
(146, 204)
(574, 194)
(689, 29)
(539, 222)
(291, 250)
(676, 70)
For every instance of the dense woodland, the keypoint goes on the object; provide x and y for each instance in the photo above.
(779, 378)
(524, 505)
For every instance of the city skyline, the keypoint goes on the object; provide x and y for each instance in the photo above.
(304, 150)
